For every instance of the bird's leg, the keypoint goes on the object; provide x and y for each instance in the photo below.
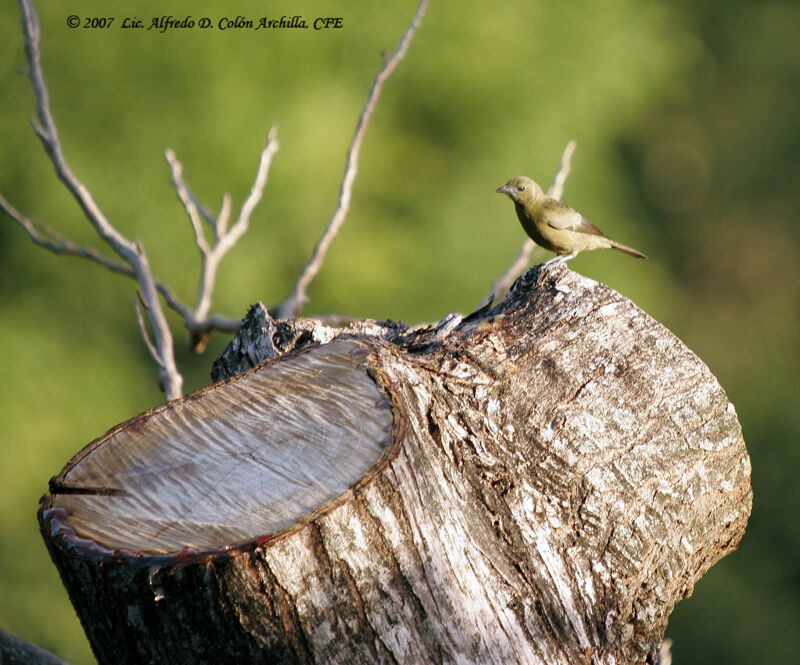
(560, 258)
(567, 257)
(551, 261)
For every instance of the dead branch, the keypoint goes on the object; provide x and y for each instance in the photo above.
(224, 237)
(130, 251)
(294, 303)
(134, 262)
(44, 236)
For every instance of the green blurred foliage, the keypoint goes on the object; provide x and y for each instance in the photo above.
(686, 116)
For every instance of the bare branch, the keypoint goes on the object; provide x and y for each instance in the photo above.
(135, 265)
(134, 262)
(557, 188)
(188, 201)
(221, 224)
(47, 131)
(50, 239)
(143, 326)
(294, 303)
(517, 267)
(129, 251)
(227, 240)
(520, 264)
(224, 238)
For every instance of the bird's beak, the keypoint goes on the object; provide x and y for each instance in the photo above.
(505, 189)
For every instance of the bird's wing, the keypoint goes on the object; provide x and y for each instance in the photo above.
(560, 216)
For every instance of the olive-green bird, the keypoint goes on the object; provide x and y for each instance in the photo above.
(554, 225)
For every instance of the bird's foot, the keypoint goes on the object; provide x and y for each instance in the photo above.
(560, 259)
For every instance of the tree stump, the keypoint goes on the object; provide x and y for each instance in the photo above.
(540, 482)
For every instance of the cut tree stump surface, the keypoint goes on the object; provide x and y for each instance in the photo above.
(227, 465)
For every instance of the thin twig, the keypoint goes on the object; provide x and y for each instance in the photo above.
(50, 239)
(520, 263)
(294, 303)
(242, 222)
(138, 301)
(221, 223)
(224, 238)
(556, 190)
(129, 251)
(189, 203)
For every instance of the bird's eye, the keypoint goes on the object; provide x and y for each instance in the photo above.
(520, 188)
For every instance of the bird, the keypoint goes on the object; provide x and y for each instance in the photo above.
(554, 225)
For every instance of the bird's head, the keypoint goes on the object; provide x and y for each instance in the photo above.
(521, 190)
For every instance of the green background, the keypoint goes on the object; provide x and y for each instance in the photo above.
(686, 117)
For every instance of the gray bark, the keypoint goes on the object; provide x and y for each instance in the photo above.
(560, 471)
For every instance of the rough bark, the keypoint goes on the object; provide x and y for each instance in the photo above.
(561, 470)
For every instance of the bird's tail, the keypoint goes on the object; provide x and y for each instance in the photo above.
(628, 250)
